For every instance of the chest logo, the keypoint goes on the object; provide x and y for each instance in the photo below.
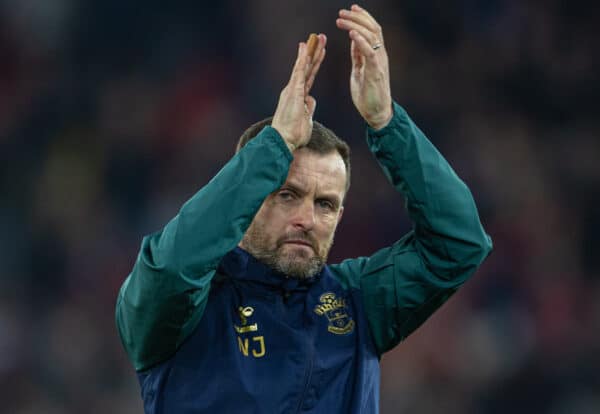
(244, 313)
(253, 344)
(334, 308)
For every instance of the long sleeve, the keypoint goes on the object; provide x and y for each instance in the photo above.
(162, 300)
(402, 285)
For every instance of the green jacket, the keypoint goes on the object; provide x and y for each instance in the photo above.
(163, 300)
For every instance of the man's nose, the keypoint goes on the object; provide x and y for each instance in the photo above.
(304, 216)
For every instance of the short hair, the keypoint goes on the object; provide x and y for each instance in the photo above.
(322, 141)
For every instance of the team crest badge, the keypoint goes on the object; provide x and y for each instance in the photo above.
(334, 308)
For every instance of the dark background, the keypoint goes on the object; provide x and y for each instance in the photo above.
(113, 113)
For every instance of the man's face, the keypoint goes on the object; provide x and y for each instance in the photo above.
(293, 230)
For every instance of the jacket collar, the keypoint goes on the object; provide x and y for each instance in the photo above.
(241, 265)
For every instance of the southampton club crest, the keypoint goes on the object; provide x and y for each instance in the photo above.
(334, 308)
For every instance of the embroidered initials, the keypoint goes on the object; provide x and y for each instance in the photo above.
(256, 348)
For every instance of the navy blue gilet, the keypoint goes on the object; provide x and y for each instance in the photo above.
(270, 344)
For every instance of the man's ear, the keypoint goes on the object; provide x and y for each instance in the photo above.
(341, 213)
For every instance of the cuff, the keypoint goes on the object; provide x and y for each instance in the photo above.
(398, 121)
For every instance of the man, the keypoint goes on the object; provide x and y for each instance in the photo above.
(231, 309)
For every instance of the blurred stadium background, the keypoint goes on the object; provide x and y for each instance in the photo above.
(113, 112)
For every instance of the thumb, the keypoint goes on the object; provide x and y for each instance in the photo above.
(311, 105)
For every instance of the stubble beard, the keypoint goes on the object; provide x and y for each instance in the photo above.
(297, 264)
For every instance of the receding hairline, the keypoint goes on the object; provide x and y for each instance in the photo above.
(331, 167)
(323, 141)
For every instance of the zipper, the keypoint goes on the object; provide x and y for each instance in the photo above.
(308, 377)
(285, 295)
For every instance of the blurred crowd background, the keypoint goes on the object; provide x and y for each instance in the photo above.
(114, 112)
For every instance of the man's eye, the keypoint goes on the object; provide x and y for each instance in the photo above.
(286, 195)
(325, 204)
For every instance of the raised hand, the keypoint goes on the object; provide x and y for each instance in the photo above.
(295, 109)
(370, 77)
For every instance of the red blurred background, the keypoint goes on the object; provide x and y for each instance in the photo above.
(113, 113)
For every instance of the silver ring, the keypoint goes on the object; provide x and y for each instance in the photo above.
(377, 46)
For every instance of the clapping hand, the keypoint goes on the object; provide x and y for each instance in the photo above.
(370, 77)
(295, 109)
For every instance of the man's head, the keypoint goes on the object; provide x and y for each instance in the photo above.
(294, 228)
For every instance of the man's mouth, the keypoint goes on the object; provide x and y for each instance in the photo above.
(299, 242)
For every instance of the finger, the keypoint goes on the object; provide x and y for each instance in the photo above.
(311, 105)
(319, 56)
(367, 15)
(314, 71)
(364, 47)
(319, 45)
(298, 77)
(360, 18)
(366, 33)
(357, 57)
(322, 43)
(312, 44)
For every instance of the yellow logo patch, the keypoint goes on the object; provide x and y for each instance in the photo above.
(255, 345)
(334, 308)
(244, 313)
